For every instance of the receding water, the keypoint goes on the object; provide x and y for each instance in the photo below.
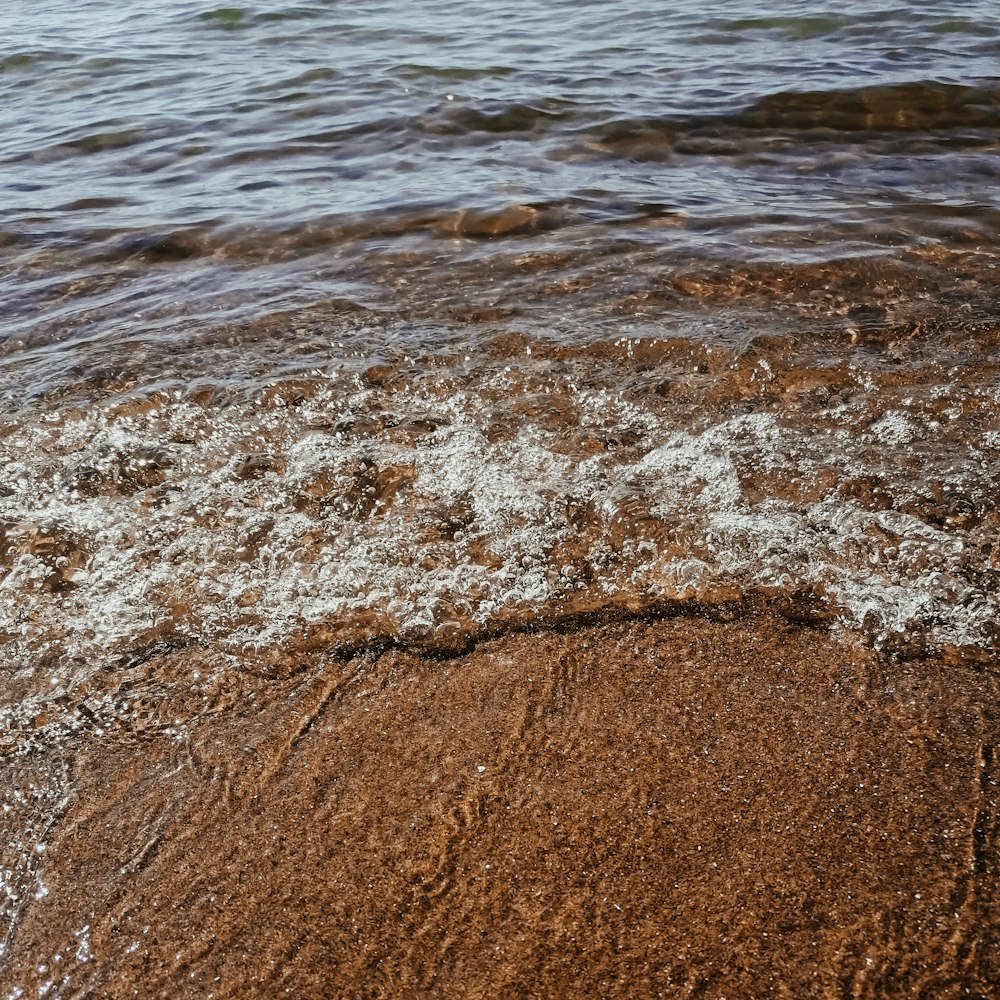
(345, 327)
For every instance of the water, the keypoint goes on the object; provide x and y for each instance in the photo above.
(345, 326)
(790, 218)
(239, 158)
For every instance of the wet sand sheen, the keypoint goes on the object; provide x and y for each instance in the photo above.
(674, 807)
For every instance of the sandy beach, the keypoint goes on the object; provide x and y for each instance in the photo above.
(499, 501)
(635, 807)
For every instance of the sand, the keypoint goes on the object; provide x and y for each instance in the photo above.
(635, 807)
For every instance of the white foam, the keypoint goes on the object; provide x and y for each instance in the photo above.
(235, 564)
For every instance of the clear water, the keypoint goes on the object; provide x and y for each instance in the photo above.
(342, 326)
(334, 324)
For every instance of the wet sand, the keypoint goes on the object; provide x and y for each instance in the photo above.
(637, 806)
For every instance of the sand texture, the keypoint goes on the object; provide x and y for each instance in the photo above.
(634, 807)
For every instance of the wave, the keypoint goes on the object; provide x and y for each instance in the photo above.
(918, 106)
(924, 105)
(425, 503)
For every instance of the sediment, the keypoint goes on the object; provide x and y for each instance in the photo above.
(635, 806)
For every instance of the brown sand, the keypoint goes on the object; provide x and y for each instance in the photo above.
(639, 808)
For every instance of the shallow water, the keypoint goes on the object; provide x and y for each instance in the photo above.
(242, 158)
(394, 324)
(400, 321)
(351, 327)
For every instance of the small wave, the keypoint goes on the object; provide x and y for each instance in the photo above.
(91, 203)
(792, 28)
(855, 115)
(179, 245)
(229, 18)
(498, 118)
(29, 61)
(919, 106)
(426, 503)
(417, 71)
(237, 18)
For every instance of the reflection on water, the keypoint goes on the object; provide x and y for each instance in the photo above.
(310, 139)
